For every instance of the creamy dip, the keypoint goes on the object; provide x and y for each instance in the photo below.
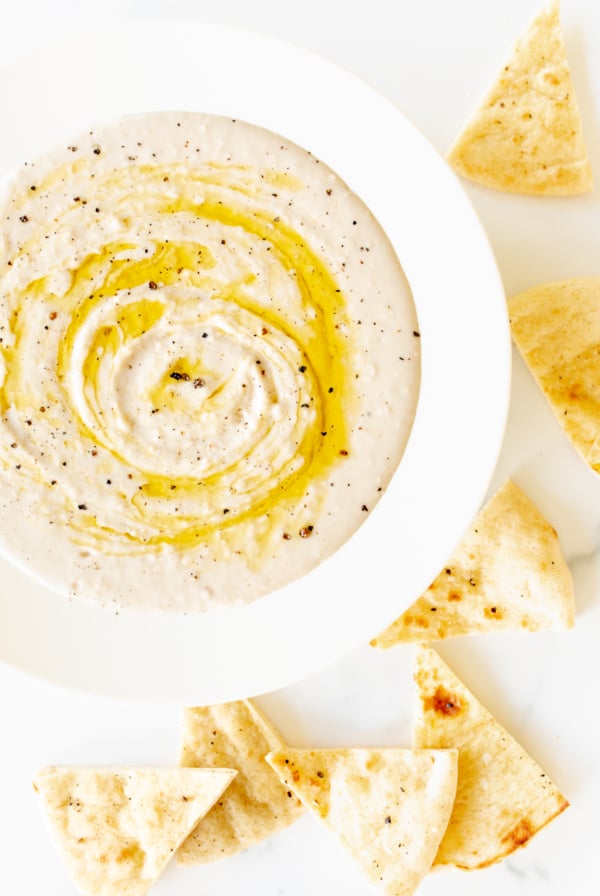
(209, 362)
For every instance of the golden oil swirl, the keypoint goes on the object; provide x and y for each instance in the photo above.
(174, 356)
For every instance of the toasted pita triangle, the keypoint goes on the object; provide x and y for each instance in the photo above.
(508, 573)
(556, 327)
(526, 137)
(388, 808)
(503, 797)
(117, 829)
(255, 806)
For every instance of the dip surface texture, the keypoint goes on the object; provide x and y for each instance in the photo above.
(209, 363)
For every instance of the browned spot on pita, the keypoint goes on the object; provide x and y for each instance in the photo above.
(444, 703)
(520, 834)
(131, 853)
(419, 621)
(374, 762)
(493, 613)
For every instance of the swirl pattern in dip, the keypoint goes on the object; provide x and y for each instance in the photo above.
(209, 363)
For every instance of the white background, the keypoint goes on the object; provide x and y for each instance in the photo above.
(434, 59)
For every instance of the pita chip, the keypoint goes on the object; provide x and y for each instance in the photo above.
(255, 806)
(556, 327)
(507, 574)
(387, 808)
(527, 137)
(503, 797)
(117, 829)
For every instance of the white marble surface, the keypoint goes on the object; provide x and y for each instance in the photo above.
(434, 59)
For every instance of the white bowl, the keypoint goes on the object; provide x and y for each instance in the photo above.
(465, 374)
